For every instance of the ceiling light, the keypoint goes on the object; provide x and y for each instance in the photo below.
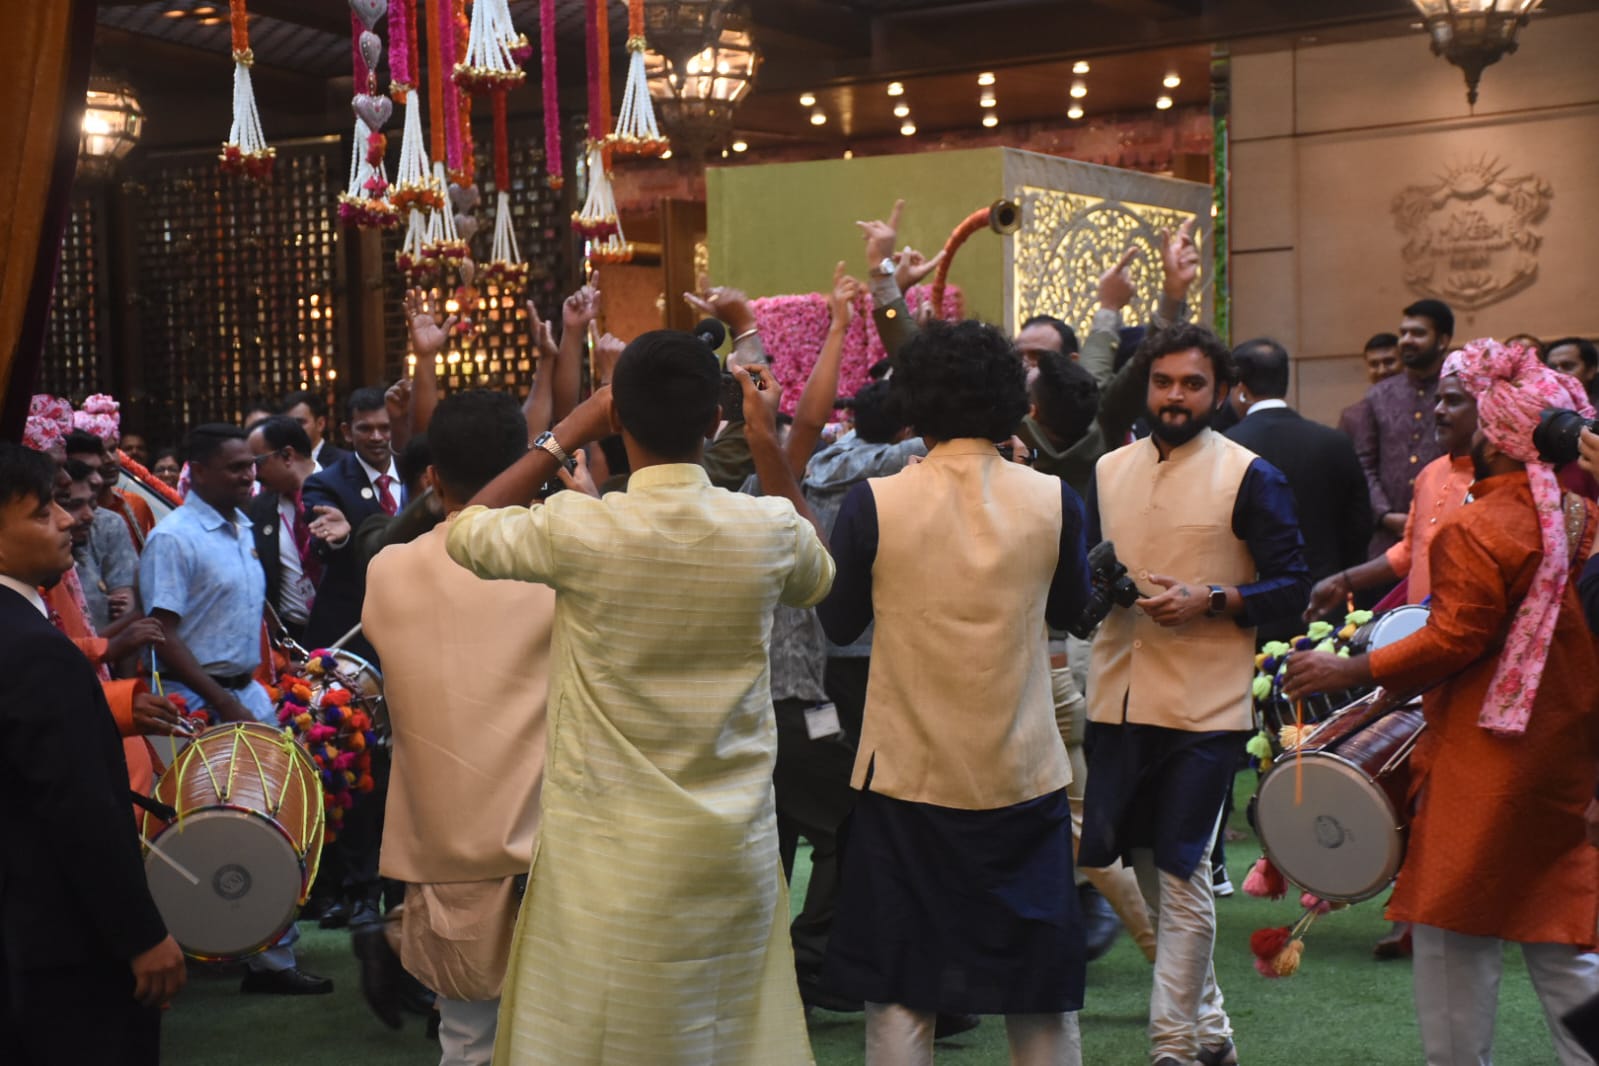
(807, 99)
(908, 129)
(896, 88)
(990, 120)
(1474, 34)
(1074, 112)
(987, 99)
(1079, 90)
(741, 146)
(902, 110)
(985, 78)
(818, 118)
(849, 153)
(212, 20)
(666, 154)
(1171, 81)
(1163, 103)
(1080, 67)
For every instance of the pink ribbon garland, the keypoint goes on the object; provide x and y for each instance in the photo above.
(452, 107)
(591, 39)
(400, 18)
(553, 162)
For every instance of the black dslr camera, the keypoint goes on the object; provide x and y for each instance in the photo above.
(1109, 586)
(1557, 432)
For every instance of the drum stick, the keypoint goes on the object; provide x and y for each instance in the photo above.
(1299, 747)
(342, 641)
(183, 871)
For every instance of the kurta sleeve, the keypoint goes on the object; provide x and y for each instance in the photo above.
(1399, 556)
(119, 697)
(505, 543)
(1470, 606)
(813, 571)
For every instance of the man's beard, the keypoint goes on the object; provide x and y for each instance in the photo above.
(1479, 462)
(1177, 434)
(1417, 359)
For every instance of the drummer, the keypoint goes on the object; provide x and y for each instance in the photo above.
(201, 580)
(1508, 759)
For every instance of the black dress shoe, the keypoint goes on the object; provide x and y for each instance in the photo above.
(315, 908)
(949, 1025)
(1100, 923)
(815, 994)
(291, 982)
(380, 973)
(364, 914)
(336, 916)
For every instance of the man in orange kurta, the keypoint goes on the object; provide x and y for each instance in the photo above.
(1504, 772)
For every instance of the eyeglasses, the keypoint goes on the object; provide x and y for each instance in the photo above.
(279, 453)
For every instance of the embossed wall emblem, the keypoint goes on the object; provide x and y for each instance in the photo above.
(1469, 235)
(1067, 240)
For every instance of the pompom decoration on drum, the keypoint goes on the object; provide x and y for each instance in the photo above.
(324, 711)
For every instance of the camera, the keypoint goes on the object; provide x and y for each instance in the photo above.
(1109, 586)
(1557, 433)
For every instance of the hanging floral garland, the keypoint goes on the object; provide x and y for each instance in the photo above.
(598, 221)
(245, 152)
(413, 182)
(495, 52)
(553, 162)
(637, 133)
(505, 269)
(365, 203)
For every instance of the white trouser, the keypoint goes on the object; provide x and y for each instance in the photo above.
(279, 956)
(899, 1036)
(466, 1030)
(1185, 1007)
(1457, 993)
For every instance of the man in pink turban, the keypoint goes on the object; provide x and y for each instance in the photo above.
(1508, 763)
(49, 422)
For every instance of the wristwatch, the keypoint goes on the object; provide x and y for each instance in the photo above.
(547, 441)
(1218, 601)
(884, 269)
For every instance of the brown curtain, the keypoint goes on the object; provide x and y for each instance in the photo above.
(42, 88)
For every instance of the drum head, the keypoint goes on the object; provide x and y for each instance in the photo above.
(251, 880)
(1343, 843)
(1395, 625)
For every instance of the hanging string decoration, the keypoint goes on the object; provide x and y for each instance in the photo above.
(413, 183)
(443, 250)
(598, 222)
(365, 203)
(553, 162)
(637, 133)
(495, 52)
(505, 269)
(245, 152)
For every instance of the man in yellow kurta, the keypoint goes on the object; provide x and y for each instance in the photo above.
(654, 929)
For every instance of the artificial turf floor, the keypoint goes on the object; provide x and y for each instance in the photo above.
(1342, 1009)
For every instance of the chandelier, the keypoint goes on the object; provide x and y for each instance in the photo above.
(700, 63)
(1474, 34)
(112, 124)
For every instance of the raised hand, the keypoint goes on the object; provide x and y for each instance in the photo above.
(841, 301)
(397, 399)
(762, 397)
(583, 306)
(1179, 256)
(544, 344)
(588, 422)
(1116, 285)
(911, 266)
(430, 331)
(607, 350)
(881, 236)
(725, 303)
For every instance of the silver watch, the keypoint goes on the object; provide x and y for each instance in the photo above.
(547, 441)
(884, 269)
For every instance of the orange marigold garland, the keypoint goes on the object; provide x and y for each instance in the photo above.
(505, 269)
(598, 221)
(245, 152)
(553, 163)
(637, 132)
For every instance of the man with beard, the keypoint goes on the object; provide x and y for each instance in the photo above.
(1207, 530)
(1394, 444)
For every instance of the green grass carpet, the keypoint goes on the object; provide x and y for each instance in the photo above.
(1342, 1009)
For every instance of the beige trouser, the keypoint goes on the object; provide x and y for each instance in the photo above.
(1457, 993)
(1115, 882)
(899, 1036)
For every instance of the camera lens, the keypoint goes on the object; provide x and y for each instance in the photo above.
(1556, 435)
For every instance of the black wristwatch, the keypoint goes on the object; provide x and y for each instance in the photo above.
(1218, 602)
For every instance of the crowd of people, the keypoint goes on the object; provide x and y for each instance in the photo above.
(636, 644)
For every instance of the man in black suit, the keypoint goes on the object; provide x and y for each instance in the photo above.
(311, 411)
(85, 960)
(1329, 488)
(291, 539)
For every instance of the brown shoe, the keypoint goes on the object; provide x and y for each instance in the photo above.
(1396, 945)
(1226, 1055)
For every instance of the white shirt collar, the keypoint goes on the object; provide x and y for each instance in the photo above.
(1265, 405)
(26, 591)
(372, 472)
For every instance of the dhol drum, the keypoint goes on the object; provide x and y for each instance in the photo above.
(365, 682)
(229, 874)
(1390, 627)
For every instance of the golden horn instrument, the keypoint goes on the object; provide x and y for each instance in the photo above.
(1002, 216)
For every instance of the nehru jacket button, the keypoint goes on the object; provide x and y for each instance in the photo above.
(1418, 416)
(1415, 459)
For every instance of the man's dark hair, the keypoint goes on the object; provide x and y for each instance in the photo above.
(666, 388)
(25, 472)
(878, 417)
(1262, 366)
(412, 461)
(879, 370)
(1585, 348)
(615, 453)
(1380, 340)
(1435, 311)
(317, 405)
(206, 442)
(960, 379)
(474, 436)
(281, 431)
(1182, 337)
(1068, 336)
(82, 442)
(367, 399)
(77, 469)
(1067, 397)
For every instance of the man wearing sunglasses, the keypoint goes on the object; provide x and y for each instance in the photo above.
(290, 538)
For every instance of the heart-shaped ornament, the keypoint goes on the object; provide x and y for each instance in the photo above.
(375, 111)
(466, 227)
(468, 271)
(464, 198)
(371, 49)
(370, 12)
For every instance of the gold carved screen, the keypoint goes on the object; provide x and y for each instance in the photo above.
(1068, 240)
(73, 365)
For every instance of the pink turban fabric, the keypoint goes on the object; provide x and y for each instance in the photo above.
(99, 416)
(49, 422)
(1512, 389)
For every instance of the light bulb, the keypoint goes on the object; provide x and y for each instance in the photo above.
(818, 118)
(1080, 67)
(1171, 81)
(741, 146)
(1074, 112)
(987, 99)
(1163, 103)
(985, 78)
(902, 110)
(1079, 90)
(990, 120)
(807, 99)
(896, 88)
(909, 129)
(666, 154)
